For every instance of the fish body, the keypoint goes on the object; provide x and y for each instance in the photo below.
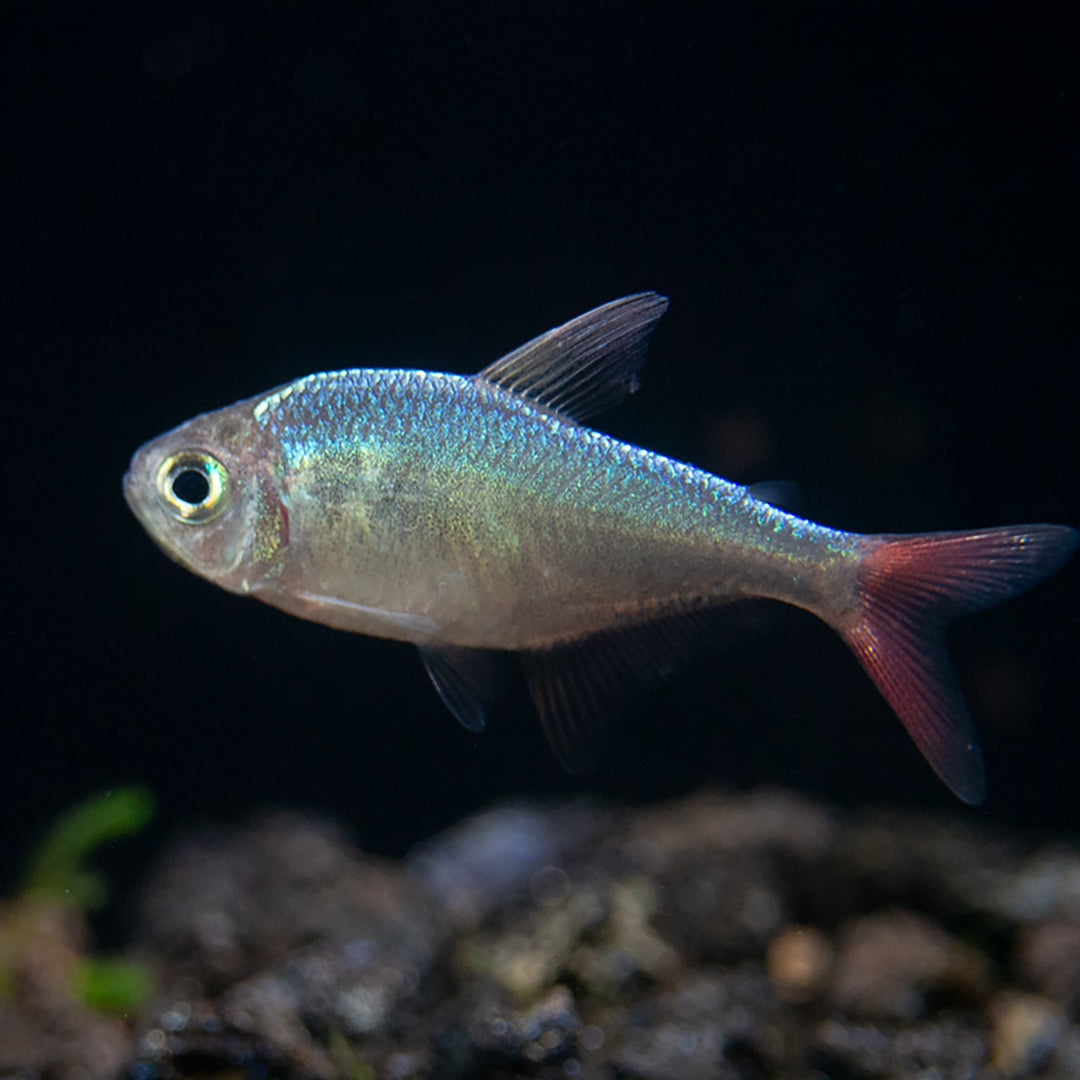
(445, 511)
(475, 515)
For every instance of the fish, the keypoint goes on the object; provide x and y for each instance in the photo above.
(478, 517)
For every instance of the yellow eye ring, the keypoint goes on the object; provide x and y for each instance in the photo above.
(194, 486)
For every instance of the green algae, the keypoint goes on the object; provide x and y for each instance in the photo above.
(57, 891)
(58, 866)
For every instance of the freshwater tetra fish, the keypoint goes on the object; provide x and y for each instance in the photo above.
(472, 515)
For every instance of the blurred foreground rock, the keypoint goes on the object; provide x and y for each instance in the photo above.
(750, 936)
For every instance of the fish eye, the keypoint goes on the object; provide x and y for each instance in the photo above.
(194, 486)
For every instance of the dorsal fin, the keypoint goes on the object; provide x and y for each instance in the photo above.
(586, 365)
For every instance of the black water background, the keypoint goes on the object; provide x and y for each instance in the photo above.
(865, 217)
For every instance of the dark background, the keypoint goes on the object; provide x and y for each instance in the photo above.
(865, 216)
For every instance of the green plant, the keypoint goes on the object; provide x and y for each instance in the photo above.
(58, 866)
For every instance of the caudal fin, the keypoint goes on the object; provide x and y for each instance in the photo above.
(909, 589)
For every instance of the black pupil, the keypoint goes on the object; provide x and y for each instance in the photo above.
(191, 486)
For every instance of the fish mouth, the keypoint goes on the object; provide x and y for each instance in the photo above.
(129, 493)
(145, 518)
(134, 496)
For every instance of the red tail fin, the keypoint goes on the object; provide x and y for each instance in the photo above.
(909, 589)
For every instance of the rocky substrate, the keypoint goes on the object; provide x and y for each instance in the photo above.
(721, 936)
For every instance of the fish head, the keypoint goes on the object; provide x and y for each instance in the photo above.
(206, 494)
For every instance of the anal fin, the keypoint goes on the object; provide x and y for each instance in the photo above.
(581, 689)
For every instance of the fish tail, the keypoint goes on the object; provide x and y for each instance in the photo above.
(908, 590)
